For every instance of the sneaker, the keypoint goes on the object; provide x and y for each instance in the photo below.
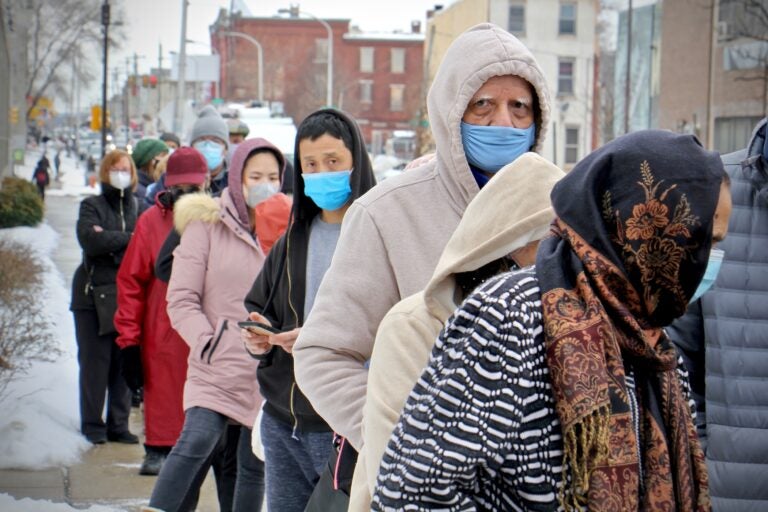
(123, 437)
(153, 461)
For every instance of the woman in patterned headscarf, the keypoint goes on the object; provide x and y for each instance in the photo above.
(555, 388)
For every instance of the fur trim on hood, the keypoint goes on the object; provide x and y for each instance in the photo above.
(192, 207)
(512, 210)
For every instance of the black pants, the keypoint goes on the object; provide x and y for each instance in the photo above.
(41, 191)
(100, 379)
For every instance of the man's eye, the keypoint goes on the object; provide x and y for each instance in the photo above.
(481, 103)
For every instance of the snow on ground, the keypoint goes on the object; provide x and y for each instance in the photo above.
(39, 426)
(39, 422)
(72, 174)
(29, 505)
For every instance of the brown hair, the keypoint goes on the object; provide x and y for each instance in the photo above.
(160, 167)
(110, 159)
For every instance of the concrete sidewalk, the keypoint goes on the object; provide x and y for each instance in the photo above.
(108, 473)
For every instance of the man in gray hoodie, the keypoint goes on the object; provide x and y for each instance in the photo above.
(488, 104)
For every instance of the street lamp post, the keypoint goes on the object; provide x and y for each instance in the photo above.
(329, 87)
(260, 54)
(180, 83)
(105, 23)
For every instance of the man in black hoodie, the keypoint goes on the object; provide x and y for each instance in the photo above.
(334, 171)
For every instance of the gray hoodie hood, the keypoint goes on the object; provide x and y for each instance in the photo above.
(480, 53)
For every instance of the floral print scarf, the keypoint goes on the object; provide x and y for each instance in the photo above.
(631, 243)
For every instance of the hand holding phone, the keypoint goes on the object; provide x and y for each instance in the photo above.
(255, 333)
(259, 328)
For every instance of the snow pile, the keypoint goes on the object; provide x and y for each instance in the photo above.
(39, 425)
(29, 505)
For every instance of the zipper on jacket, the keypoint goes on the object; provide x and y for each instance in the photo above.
(122, 213)
(296, 317)
(288, 273)
(216, 342)
(293, 414)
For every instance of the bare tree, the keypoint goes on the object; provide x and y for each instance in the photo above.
(61, 30)
(744, 23)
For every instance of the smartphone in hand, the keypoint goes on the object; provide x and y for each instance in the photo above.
(258, 328)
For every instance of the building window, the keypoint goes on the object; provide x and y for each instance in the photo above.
(516, 22)
(321, 51)
(396, 96)
(571, 145)
(398, 60)
(366, 59)
(733, 133)
(565, 76)
(568, 18)
(366, 91)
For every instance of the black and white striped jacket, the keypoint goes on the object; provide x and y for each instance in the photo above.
(479, 430)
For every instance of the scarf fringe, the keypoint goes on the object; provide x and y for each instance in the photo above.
(585, 443)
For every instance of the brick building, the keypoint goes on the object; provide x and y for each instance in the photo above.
(377, 78)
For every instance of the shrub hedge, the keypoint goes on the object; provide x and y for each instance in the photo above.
(20, 205)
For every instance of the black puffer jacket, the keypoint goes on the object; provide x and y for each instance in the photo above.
(279, 290)
(115, 213)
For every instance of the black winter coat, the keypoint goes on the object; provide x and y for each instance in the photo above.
(102, 250)
(281, 300)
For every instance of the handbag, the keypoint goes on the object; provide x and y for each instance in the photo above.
(331, 493)
(105, 300)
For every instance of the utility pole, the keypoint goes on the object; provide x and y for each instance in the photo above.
(5, 100)
(180, 84)
(136, 74)
(628, 78)
(128, 92)
(17, 19)
(105, 23)
(710, 140)
(159, 78)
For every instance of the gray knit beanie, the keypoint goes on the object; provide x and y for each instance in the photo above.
(210, 122)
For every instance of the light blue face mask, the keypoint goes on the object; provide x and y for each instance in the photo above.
(713, 268)
(329, 190)
(489, 148)
(212, 151)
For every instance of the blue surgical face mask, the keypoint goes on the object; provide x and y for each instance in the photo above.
(713, 268)
(329, 190)
(489, 148)
(212, 151)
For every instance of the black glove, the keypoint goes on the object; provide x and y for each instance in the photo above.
(133, 373)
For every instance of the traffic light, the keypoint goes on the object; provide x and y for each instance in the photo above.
(13, 115)
(96, 118)
(145, 80)
(153, 81)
